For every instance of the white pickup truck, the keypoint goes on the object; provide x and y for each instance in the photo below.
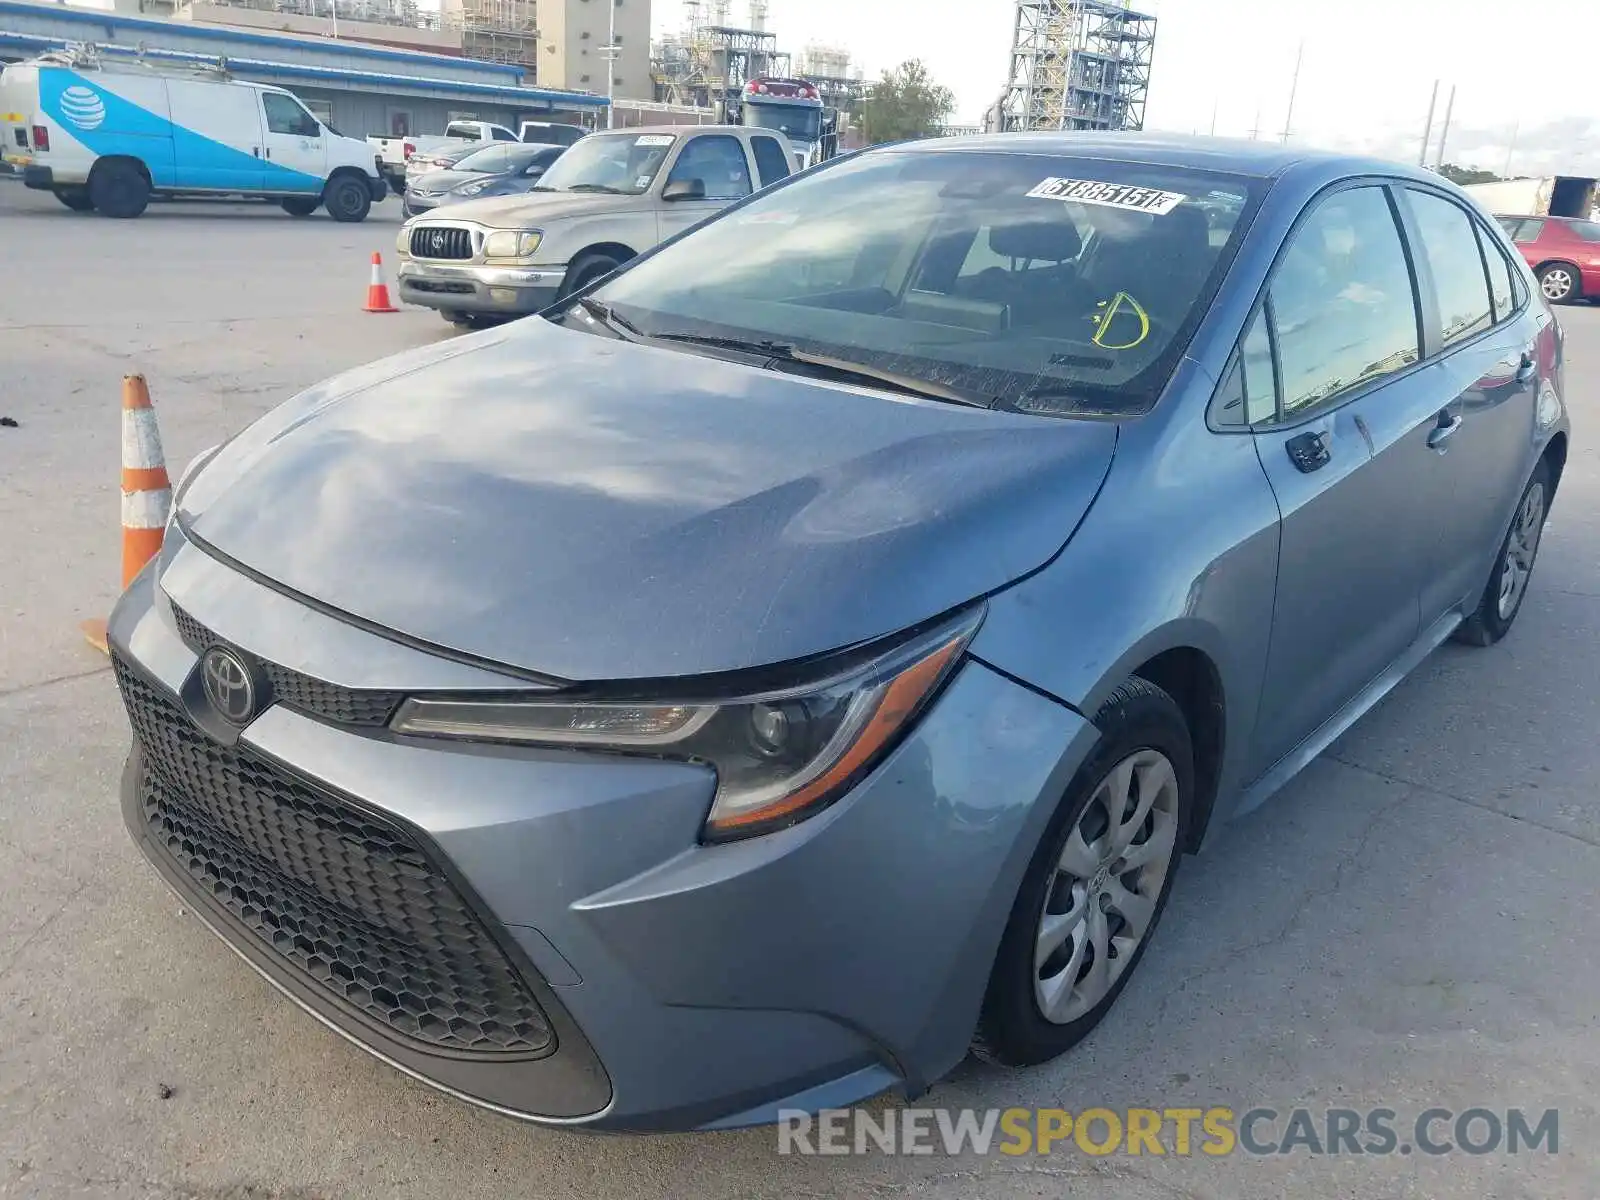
(395, 153)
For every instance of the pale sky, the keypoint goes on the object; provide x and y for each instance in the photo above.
(1368, 70)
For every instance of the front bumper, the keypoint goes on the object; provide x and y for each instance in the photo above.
(41, 179)
(512, 291)
(683, 986)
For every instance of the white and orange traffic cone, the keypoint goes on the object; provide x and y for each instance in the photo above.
(146, 491)
(378, 290)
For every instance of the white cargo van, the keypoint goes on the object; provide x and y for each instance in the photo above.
(108, 135)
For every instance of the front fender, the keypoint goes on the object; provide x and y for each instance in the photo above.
(1180, 550)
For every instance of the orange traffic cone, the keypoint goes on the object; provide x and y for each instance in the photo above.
(146, 491)
(378, 290)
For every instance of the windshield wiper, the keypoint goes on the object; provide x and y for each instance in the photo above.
(603, 314)
(838, 369)
(595, 187)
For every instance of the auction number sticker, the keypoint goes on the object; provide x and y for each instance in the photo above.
(654, 139)
(1109, 195)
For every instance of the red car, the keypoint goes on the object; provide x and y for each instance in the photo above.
(1564, 253)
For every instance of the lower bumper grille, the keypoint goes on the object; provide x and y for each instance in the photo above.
(349, 900)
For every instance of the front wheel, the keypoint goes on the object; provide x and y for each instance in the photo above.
(297, 206)
(585, 269)
(1508, 584)
(347, 199)
(1559, 282)
(77, 199)
(1097, 884)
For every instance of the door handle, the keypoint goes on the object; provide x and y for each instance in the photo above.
(1439, 437)
(255, 151)
(1308, 451)
(1528, 368)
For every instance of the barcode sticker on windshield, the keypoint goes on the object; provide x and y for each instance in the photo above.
(1109, 195)
(653, 139)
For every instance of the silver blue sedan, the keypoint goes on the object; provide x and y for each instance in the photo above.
(807, 654)
(500, 169)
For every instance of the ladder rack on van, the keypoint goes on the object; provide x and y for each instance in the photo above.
(90, 56)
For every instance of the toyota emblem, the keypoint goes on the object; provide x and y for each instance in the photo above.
(228, 685)
(438, 241)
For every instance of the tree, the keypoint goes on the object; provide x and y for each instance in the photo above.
(905, 103)
(1466, 175)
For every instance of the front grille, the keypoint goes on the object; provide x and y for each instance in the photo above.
(350, 901)
(441, 241)
(314, 697)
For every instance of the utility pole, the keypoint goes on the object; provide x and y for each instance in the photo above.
(1255, 130)
(1294, 86)
(1516, 128)
(610, 52)
(1214, 105)
(1427, 130)
(1444, 134)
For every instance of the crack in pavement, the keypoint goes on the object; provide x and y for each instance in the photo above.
(7, 693)
(44, 927)
(1481, 805)
(1300, 908)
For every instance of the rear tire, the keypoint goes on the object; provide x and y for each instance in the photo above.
(297, 207)
(347, 199)
(119, 189)
(465, 320)
(77, 199)
(1513, 567)
(1056, 977)
(585, 269)
(1560, 282)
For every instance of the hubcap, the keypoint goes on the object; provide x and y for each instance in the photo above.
(1101, 899)
(1557, 284)
(1521, 549)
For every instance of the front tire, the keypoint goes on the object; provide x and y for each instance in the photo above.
(347, 199)
(297, 206)
(1560, 282)
(1508, 584)
(585, 269)
(119, 189)
(77, 199)
(1096, 886)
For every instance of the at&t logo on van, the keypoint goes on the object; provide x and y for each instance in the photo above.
(82, 106)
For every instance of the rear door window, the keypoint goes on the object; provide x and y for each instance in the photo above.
(1450, 245)
(1343, 302)
(771, 161)
(1502, 291)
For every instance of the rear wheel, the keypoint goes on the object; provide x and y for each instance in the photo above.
(297, 206)
(1508, 584)
(347, 199)
(1559, 282)
(77, 199)
(119, 189)
(466, 320)
(1097, 884)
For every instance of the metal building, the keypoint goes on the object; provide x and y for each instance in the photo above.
(1078, 64)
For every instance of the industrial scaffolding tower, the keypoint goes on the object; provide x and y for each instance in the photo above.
(1078, 64)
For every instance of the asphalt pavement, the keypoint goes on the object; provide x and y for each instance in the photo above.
(1410, 925)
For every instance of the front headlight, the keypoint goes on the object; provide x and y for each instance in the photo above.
(780, 755)
(402, 241)
(473, 188)
(507, 243)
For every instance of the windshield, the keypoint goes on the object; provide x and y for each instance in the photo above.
(800, 123)
(625, 163)
(1049, 284)
(490, 160)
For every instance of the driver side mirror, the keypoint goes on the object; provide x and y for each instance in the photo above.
(684, 189)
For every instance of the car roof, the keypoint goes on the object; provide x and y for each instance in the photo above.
(1238, 156)
(675, 129)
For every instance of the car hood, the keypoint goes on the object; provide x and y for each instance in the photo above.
(441, 181)
(592, 509)
(529, 208)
